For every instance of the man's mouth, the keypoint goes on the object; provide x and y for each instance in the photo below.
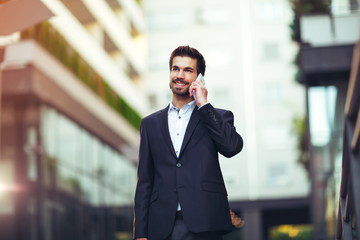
(180, 87)
(179, 83)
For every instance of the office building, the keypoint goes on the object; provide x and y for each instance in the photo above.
(70, 115)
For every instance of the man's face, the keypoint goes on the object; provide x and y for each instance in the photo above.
(183, 72)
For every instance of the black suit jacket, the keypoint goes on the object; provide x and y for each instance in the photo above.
(194, 178)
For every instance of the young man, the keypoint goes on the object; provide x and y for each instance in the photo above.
(180, 193)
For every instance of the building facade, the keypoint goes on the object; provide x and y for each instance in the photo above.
(348, 225)
(70, 113)
(326, 58)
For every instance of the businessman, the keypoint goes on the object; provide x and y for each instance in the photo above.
(180, 193)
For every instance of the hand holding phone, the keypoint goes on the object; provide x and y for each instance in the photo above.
(201, 79)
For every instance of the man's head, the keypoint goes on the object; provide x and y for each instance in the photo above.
(186, 51)
(185, 65)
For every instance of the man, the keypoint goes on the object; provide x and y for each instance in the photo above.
(180, 193)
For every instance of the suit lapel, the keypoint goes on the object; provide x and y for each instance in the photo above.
(165, 130)
(194, 120)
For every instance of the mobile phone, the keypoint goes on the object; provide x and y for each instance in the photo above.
(199, 78)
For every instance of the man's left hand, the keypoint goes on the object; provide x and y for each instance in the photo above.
(200, 93)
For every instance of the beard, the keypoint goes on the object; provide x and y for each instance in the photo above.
(183, 92)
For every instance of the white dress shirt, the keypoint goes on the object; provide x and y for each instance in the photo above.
(178, 119)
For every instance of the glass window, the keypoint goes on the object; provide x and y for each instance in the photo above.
(68, 145)
(49, 131)
(30, 149)
(219, 58)
(99, 173)
(166, 21)
(83, 165)
(213, 16)
(271, 51)
(158, 61)
(277, 174)
(321, 113)
(269, 10)
(88, 158)
(281, 132)
(273, 93)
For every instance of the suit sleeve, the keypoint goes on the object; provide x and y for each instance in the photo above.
(221, 129)
(145, 176)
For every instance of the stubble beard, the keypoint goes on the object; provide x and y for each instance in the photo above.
(181, 93)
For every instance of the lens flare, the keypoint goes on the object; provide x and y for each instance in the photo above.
(8, 188)
(2, 189)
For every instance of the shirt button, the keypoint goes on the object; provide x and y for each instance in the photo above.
(178, 164)
(179, 117)
(177, 134)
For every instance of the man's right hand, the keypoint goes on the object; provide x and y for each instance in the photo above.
(141, 239)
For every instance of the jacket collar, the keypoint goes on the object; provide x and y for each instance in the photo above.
(194, 119)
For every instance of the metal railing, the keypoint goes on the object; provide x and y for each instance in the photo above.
(348, 222)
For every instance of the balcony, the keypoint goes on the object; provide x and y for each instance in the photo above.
(326, 30)
(30, 70)
(327, 47)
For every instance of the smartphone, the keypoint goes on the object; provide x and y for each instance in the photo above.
(199, 78)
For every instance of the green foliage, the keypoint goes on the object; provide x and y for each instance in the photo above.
(302, 7)
(51, 40)
(299, 128)
(74, 183)
(291, 232)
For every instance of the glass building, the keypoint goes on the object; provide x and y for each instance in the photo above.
(63, 181)
(71, 107)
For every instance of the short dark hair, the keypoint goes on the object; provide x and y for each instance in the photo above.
(186, 51)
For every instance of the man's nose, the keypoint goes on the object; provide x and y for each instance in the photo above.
(180, 74)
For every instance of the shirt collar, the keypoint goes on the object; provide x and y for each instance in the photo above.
(189, 106)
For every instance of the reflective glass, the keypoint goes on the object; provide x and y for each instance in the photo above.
(83, 165)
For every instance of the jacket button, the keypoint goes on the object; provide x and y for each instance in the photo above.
(178, 164)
